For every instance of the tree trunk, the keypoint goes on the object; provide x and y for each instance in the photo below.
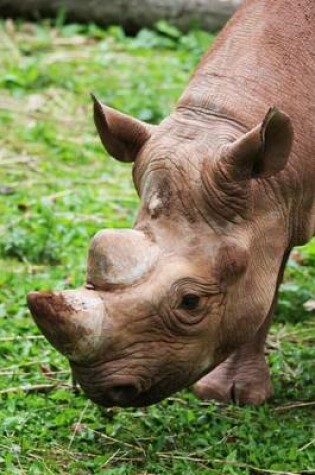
(130, 14)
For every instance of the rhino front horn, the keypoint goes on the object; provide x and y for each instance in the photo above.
(73, 321)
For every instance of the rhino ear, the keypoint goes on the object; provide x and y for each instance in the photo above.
(264, 150)
(121, 135)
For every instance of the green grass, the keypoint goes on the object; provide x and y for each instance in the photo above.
(57, 188)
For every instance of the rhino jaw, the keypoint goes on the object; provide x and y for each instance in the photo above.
(72, 321)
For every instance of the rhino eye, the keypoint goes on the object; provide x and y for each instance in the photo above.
(190, 302)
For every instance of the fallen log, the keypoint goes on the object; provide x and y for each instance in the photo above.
(132, 15)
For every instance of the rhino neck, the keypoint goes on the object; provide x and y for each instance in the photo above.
(218, 128)
(213, 126)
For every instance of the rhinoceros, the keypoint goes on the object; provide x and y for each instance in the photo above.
(227, 188)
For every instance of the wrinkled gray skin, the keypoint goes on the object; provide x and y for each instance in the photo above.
(227, 189)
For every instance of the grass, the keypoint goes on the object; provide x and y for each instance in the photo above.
(57, 188)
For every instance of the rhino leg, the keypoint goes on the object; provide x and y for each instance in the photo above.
(242, 378)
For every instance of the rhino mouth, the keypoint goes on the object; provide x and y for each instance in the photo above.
(127, 396)
(124, 391)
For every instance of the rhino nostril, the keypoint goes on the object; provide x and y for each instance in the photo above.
(122, 393)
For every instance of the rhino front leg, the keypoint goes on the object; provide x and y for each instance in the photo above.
(243, 378)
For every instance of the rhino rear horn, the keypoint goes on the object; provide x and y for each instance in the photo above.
(261, 152)
(121, 135)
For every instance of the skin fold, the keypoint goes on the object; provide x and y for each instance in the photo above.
(227, 189)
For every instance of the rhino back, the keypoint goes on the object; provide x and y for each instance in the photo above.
(265, 57)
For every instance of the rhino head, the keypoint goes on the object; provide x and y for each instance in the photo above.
(167, 301)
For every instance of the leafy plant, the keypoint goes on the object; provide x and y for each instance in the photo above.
(57, 188)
